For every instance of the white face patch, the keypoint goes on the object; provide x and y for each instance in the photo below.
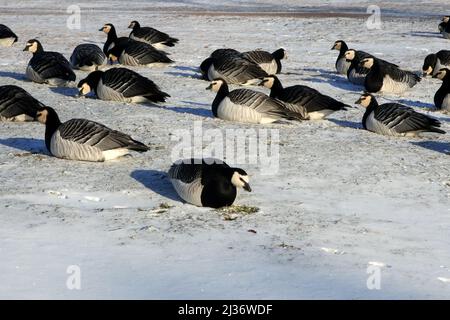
(106, 29)
(215, 85)
(337, 45)
(33, 47)
(368, 63)
(441, 74)
(365, 101)
(428, 71)
(268, 82)
(42, 116)
(446, 19)
(236, 180)
(350, 54)
(85, 89)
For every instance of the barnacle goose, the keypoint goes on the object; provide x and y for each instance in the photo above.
(85, 140)
(48, 67)
(156, 38)
(317, 105)
(436, 61)
(135, 53)
(121, 84)
(342, 64)
(207, 182)
(17, 105)
(386, 77)
(88, 57)
(244, 105)
(7, 37)
(130, 52)
(444, 27)
(393, 119)
(442, 96)
(225, 52)
(269, 62)
(355, 73)
(233, 69)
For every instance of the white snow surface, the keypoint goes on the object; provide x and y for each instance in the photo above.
(344, 199)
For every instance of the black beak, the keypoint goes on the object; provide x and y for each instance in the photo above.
(209, 87)
(435, 76)
(358, 101)
(247, 187)
(334, 47)
(101, 29)
(26, 48)
(130, 26)
(262, 82)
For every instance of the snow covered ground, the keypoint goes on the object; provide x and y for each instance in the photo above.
(344, 199)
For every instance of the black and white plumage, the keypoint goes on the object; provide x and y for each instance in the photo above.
(269, 62)
(207, 182)
(48, 67)
(304, 98)
(225, 52)
(356, 74)
(444, 27)
(233, 69)
(16, 104)
(244, 105)
(156, 38)
(84, 140)
(121, 84)
(342, 64)
(386, 77)
(131, 52)
(436, 61)
(393, 119)
(7, 36)
(442, 95)
(88, 57)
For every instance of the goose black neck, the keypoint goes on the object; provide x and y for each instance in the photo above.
(136, 26)
(370, 108)
(374, 78)
(277, 88)
(52, 124)
(343, 49)
(39, 48)
(93, 79)
(218, 191)
(221, 94)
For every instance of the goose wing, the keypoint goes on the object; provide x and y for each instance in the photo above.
(226, 52)
(400, 75)
(145, 53)
(94, 134)
(189, 170)
(262, 103)
(52, 65)
(258, 56)
(311, 99)
(239, 69)
(150, 35)
(87, 54)
(15, 101)
(403, 119)
(129, 83)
